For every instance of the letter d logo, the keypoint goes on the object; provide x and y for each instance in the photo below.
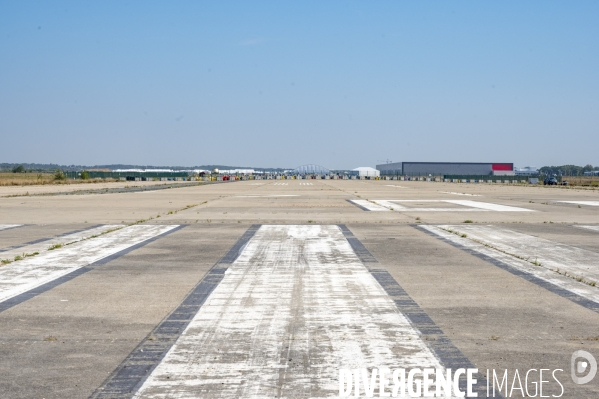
(579, 366)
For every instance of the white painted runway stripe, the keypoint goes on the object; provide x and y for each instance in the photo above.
(451, 192)
(589, 203)
(466, 206)
(370, 206)
(488, 206)
(550, 254)
(9, 226)
(43, 246)
(536, 256)
(296, 305)
(594, 228)
(266, 196)
(19, 277)
(391, 185)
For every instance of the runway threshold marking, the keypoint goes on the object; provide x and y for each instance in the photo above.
(43, 244)
(537, 260)
(594, 228)
(128, 376)
(24, 279)
(9, 226)
(294, 307)
(369, 206)
(589, 203)
(467, 206)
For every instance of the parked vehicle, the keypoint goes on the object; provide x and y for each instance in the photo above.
(550, 181)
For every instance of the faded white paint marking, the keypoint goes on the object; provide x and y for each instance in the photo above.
(589, 203)
(489, 206)
(391, 185)
(594, 228)
(24, 275)
(521, 250)
(266, 196)
(451, 192)
(470, 206)
(8, 226)
(396, 206)
(66, 239)
(296, 306)
(370, 206)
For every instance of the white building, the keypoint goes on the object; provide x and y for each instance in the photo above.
(367, 171)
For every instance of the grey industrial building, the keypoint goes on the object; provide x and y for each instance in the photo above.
(446, 168)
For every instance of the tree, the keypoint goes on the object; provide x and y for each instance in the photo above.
(18, 169)
(85, 175)
(566, 170)
(60, 175)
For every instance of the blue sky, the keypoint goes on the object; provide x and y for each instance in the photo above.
(337, 83)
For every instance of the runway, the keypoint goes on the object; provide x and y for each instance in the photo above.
(268, 289)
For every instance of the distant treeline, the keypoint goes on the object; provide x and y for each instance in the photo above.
(567, 170)
(30, 167)
(51, 167)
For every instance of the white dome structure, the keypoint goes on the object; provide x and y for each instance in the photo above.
(367, 171)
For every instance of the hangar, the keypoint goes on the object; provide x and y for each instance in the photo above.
(446, 168)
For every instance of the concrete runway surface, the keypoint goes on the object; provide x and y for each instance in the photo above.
(266, 289)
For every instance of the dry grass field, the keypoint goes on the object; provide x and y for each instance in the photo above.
(592, 181)
(30, 179)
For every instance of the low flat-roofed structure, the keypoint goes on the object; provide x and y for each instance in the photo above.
(446, 168)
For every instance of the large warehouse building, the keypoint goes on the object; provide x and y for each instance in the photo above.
(446, 168)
